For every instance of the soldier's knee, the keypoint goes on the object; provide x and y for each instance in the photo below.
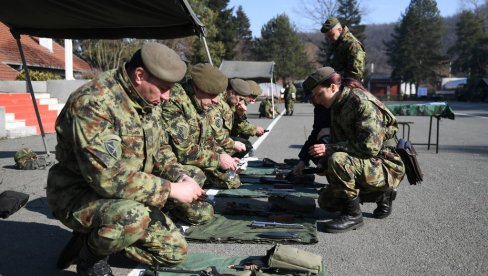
(174, 254)
(195, 213)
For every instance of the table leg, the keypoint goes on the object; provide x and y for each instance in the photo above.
(437, 142)
(430, 131)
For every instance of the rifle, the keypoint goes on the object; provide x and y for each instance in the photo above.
(272, 224)
(209, 271)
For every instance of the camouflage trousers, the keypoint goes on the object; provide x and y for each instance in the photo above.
(289, 106)
(350, 177)
(221, 180)
(144, 233)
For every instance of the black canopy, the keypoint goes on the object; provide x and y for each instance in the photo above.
(102, 19)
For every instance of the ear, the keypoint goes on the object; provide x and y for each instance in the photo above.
(139, 75)
(334, 87)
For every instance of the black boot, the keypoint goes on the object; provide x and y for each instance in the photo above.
(350, 218)
(90, 264)
(70, 252)
(384, 202)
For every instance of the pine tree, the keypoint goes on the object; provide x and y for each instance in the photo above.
(349, 15)
(243, 49)
(469, 58)
(280, 43)
(414, 52)
(225, 25)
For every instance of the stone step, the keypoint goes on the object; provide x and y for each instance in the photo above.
(21, 132)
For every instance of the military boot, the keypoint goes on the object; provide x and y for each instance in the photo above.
(70, 252)
(90, 264)
(384, 202)
(350, 218)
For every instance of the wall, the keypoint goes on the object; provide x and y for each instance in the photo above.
(60, 89)
(21, 86)
(3, 132)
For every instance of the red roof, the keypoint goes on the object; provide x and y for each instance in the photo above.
(35, 54)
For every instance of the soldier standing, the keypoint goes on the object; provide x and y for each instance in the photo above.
(360, 161)
(346, 55)
(190, 133)
(116, 170)
(289, 95)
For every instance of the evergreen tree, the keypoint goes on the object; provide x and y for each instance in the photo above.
(225, 24)
(414, 52)
(280, 43)
(243, 49)
(469, 57)
(349, 15)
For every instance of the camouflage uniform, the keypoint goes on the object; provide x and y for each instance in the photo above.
(242, 127)
(191, 136)
(289, 90)
(114, 172)
(360, 157)
(266, 109)
(347, 56)
(221, 118)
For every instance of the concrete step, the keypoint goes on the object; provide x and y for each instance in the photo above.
(21, 132)
(9, 117)
(48, 101)
(12, 124)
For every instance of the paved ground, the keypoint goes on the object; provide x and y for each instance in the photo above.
(437, 228)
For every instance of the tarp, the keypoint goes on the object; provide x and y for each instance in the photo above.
(107, 19)
(256, 70)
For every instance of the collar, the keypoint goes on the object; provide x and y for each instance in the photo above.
(341, 98)
(140, 104)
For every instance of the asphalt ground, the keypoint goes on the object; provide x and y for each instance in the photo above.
(436, 228)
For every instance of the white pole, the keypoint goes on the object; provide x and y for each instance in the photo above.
(68, 59)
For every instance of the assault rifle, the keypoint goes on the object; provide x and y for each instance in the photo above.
(271, 224)
(209, 271)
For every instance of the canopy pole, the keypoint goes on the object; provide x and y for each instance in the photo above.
(206, 49)
(272, 90)
(30, 89)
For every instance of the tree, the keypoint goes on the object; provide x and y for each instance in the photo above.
(108, 54)
(349, 15)
(243, 49)
(225, 24)
(414, 52)
(469, 57)
(280, 43)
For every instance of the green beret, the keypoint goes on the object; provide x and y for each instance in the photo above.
(241, 87)
(329, 24)
(319, 76)
(162, 62)
(255, 88)
(208, 78)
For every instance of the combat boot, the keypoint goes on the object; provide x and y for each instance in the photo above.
(90, 264)
(350, 218)
(71, 250)
(385, 204)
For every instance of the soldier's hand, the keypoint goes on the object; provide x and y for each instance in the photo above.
(186, 190)
(227, 162)
(298, 169)
(241, 108)
(239, 146)
(259, 131)
(317, 150)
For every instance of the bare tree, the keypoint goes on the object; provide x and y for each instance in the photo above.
(319, 10)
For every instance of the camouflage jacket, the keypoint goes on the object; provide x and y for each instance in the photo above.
(360, 124)
(288, 94)
(347, 56)
(111, 142)
(242, 127)
(189, 130)
(221, 118)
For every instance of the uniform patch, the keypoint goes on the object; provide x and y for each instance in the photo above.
(113, 145)
(219, 122)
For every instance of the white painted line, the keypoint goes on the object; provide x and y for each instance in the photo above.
(469, 115)
(270, 127)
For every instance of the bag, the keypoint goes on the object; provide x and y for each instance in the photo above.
(11, 202)
(409, 157)
(288, 258)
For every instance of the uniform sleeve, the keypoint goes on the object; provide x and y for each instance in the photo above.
(242, 127)
(180, 129)
(356, 61)
(321, 119)
(166, 164)
(106, 161)
(367, 139)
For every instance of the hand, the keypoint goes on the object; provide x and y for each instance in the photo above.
(226, 162)
(323, 132)
(186, 190)
(239, 146)
(259, 131)
(241, 108)
(298, 169)
(317, 150)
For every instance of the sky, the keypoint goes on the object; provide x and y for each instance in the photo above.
(376, 11)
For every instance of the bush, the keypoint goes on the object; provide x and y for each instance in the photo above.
(38, 76)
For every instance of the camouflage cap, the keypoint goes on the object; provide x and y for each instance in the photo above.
(241, 87)
(319, 76)
(255, 88)
(162, 62)
(23, 157)
(329, 24)
(208, 78)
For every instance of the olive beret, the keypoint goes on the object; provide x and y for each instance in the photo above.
(329, 24)
(255, 88)
(162, 62)
(241, 87)
(319, 76)
(208, 78)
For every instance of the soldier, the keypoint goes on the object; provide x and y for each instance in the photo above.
(346, 54)
(116, 170)
(190, 134)
(289, 95)
(266, 109)
(360, 161)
